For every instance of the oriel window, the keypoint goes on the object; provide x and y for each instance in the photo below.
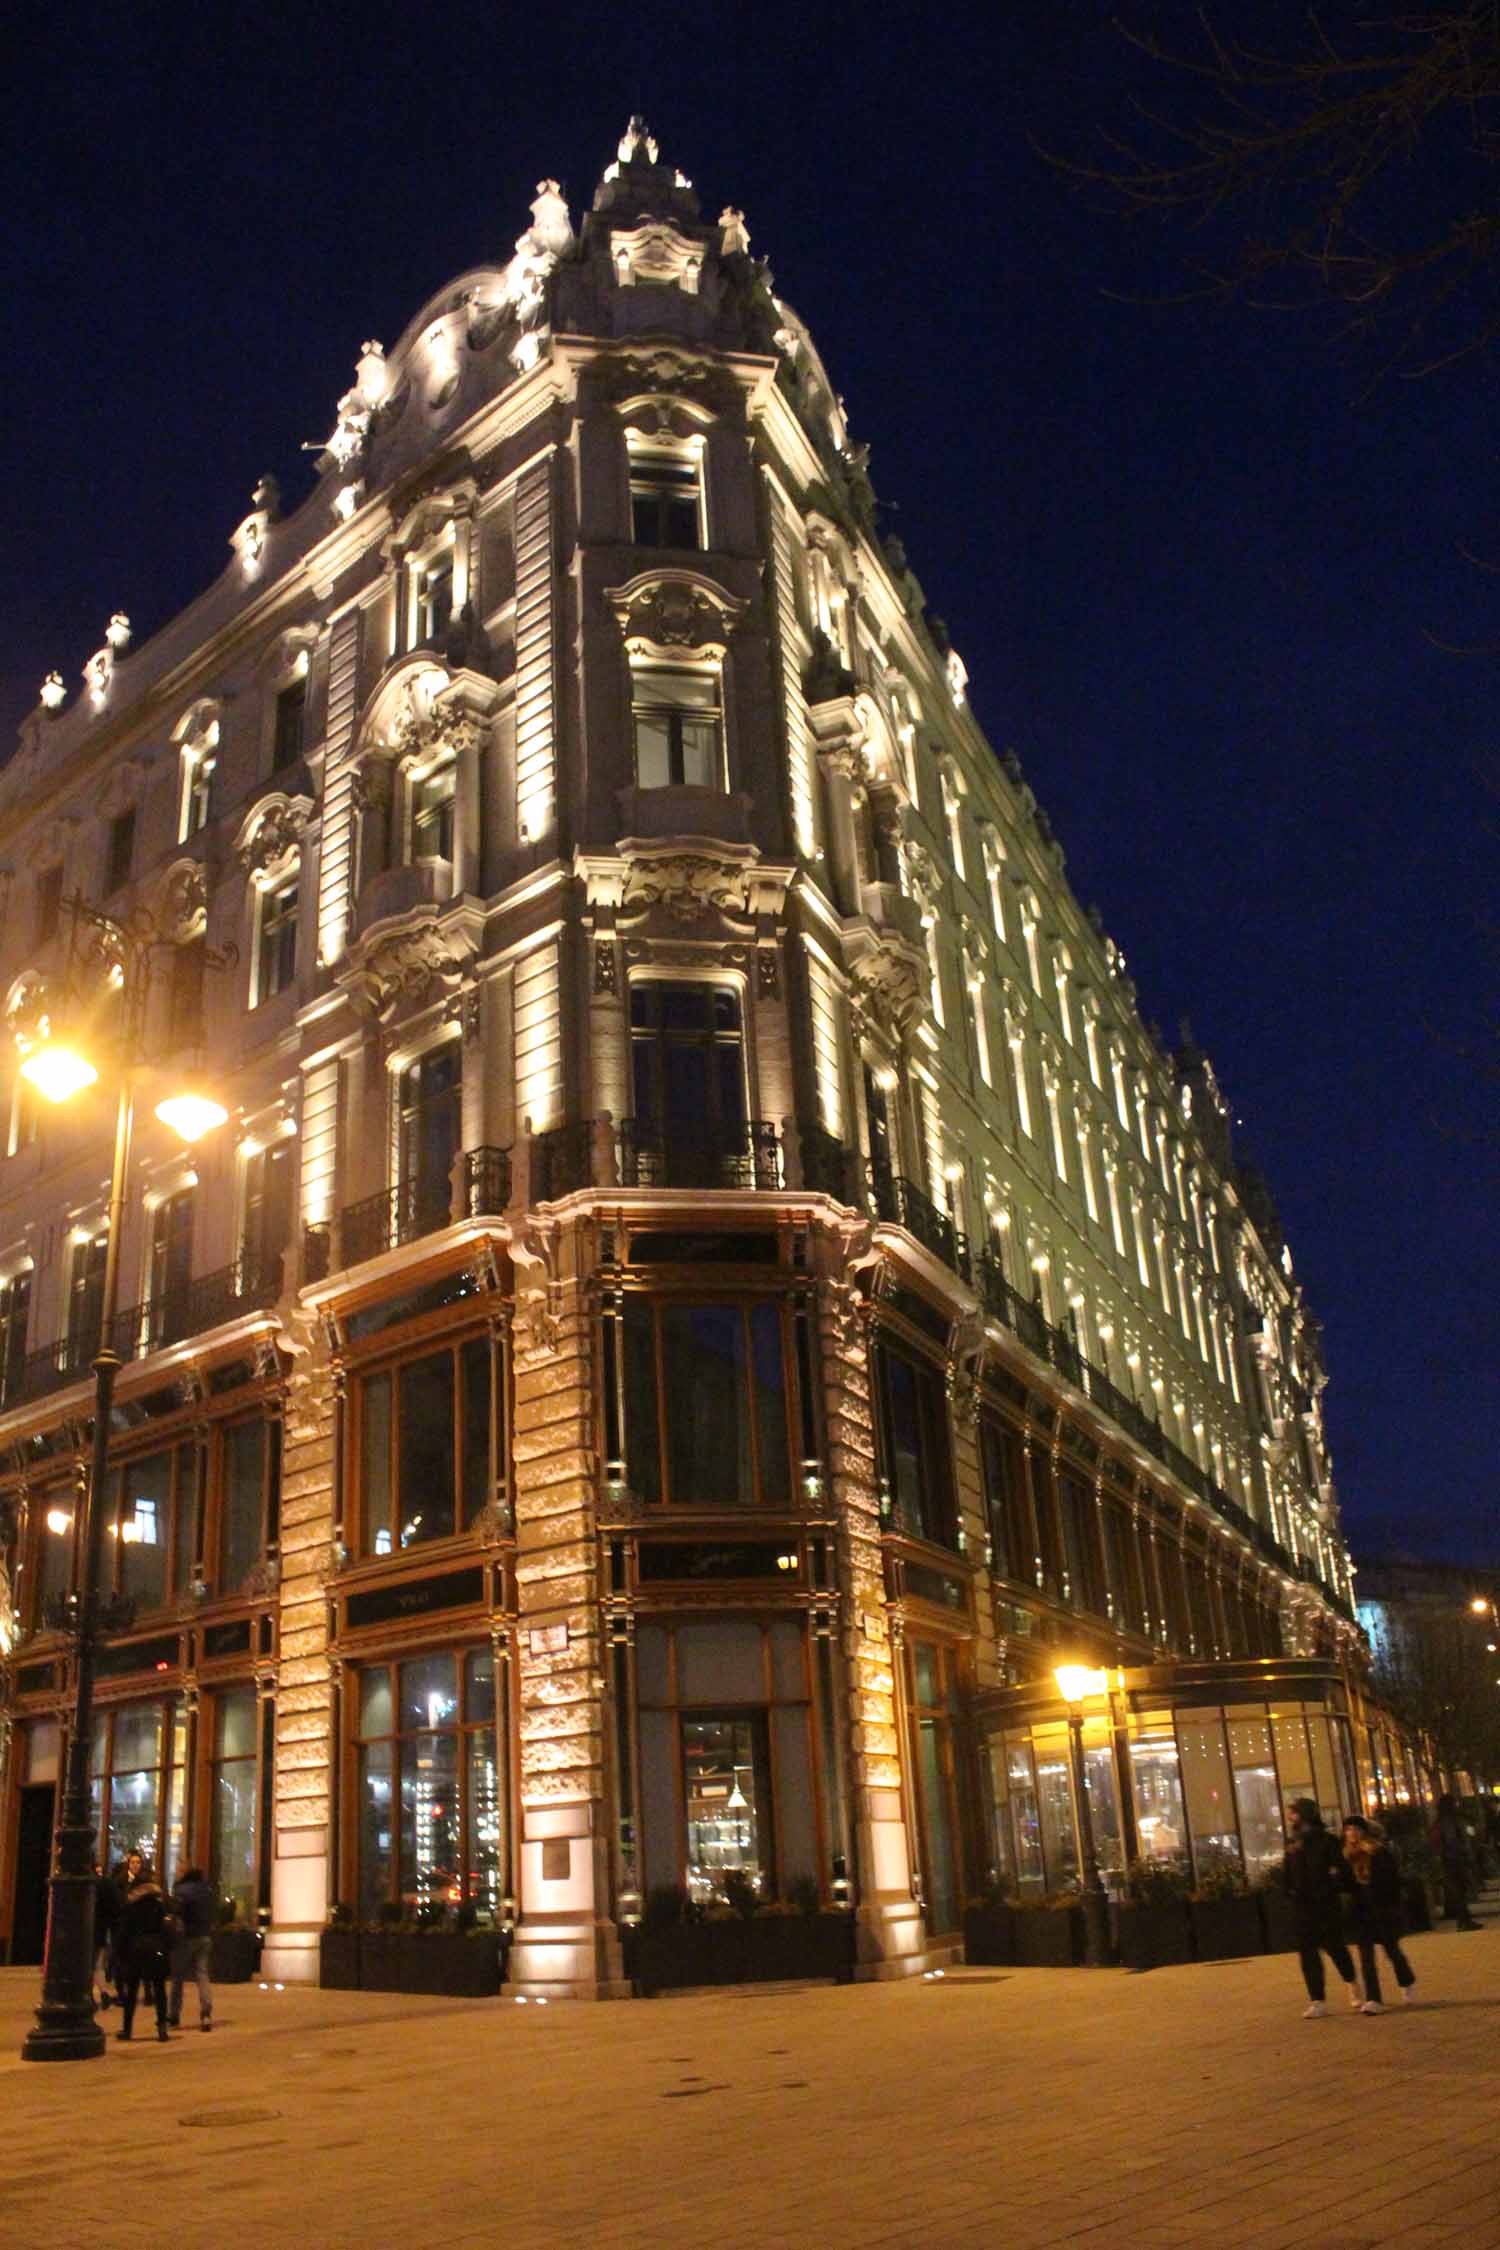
(276, 950)
(432, 815)
(291, 714)
(678, 728)
(666, 506)
(434, 604)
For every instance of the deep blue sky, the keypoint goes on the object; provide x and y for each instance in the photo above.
(1188, 556)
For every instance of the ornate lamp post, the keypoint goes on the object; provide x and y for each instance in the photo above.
(1075, 1684)
(123, 952)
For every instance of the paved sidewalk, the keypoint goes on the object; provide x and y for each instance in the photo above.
(1011, 2108)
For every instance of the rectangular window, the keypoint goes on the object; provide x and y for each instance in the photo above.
(121, 852)
(430, 1808)
(432, 815)
(15, 1316)
(151, 1526)
(429, 1101)
(234, 1798)
(434, 599)
(726, 1797)
(665, 504)
(706, 1404)
(49, 886)
(687, 1058)
(425, 1459)
(291, 712)
(197, 792)
(249, 1479)
(677, 727)
(135, 1763)
(85, 1300)
(171, 1268)
(185, 994)
(276, 949)
(1004, 1457)
(916, 1462)
(270, 1181)
(1081, 1534)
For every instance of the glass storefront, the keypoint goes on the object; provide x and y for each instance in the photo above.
(1208, 1784)
(233, 1798)
(135, 1785)
(429, 1799)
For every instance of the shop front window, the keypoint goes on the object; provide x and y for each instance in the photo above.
(1256, 1795)
(1054, 1781)
(1025, 1815)
(1156, 1780)
(429, 1797)
(153, 1529)
(935, 1697)
(1212, 1823)
(424, 1447)
(726, 1796)
(136, 1756)
(233, 1798)
(706, 1403)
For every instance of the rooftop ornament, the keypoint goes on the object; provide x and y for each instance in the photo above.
(53, 693)
(117, 632)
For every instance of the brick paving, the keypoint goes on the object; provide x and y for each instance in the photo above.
(1011, 2108)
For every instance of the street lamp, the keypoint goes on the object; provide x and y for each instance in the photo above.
(1075, 1684)
(66, 2029)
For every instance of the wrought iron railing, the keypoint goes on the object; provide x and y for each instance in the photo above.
(486, 1182)
(701, 1156)
(249, 1285)
(562, 1161)
(828, 1167)
(397, 1215)
(900, 1202)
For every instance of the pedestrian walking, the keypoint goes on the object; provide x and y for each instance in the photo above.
(1375, 1908)
(108, 1899)
(197, 1906)
(144, 1936)
(1452, 1847)
(1315, 1876)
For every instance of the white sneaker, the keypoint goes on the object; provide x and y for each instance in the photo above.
(1314, 2008)
(1373, 2008)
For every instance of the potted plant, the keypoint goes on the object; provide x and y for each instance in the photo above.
(1049, 1934)
(235, 1954)
(739, 1939)
(990, 1928)
(1225, 1918)
(1152, 1929)
(338, 1950)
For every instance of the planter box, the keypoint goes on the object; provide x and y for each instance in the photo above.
(767, 1949)
(1153, 1937)
(236, 1953)
(1049, 1937)
(1277, 1919)
(455, 1964)
(338, 1960)
(990, 1935)
(1226, 1929)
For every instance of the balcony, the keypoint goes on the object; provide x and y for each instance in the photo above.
(901, 1203)
(405, 1213)
(211, 1301)
(828, 1167)
(562, 1161)
(704, 1156)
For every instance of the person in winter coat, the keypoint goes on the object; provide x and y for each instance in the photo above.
(1452, 1848)
(108, 1899)
(197, 1907)
(1315, 1877)
(1375, 1908)
(143, 1944)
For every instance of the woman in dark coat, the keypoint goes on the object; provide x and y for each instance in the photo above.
(142, 1939)
(1375, 1907)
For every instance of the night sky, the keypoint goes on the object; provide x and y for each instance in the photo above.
(1190, 557)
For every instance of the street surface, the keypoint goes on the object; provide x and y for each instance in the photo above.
(1011, 2108)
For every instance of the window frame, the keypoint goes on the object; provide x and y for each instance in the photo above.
(276, 939)
(461, 1647)
(667, 477)
(642, 670)
(689, 1296)
(388, 1364)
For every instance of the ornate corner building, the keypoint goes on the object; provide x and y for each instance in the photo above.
(709, 1289)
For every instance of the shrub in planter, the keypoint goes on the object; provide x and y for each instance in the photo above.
(234, 1954)
(338, 1952)
(1050, 1936)
(676, 1946)
(1151, 1925)
(1278, 1918)
(990, 1930)
(1225, 1918)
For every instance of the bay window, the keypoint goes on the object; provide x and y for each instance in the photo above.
(677, 727)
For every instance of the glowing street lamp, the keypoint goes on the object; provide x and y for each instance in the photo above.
(58, 1070)
(1076, 1683)
(191, 1113)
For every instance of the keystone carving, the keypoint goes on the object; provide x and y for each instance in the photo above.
(689, 886)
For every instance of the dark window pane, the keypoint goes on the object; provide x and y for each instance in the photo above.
(185, 1540)
(479, 1686)
(904, 1430)
(240, 1539)
(145, 1527)
(374, 1826)
(642, 1443)
(427, 1483)
(708, 1405)
(770, 1403)
(475, 1361)
(291, 706)
(375, 1463)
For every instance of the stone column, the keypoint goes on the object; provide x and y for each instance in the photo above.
(306, 1770)
(565, 1944)
(890, 1933)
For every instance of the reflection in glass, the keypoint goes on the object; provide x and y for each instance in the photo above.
(726, 1795)
(1054, 1783)
(1157, 1782)
(429, 1822)
(1026, 1819)
(233, 1806)
(1210, 1796)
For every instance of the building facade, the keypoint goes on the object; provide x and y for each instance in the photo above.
(709, 1289)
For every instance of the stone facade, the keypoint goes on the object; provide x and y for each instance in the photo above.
(623, 912)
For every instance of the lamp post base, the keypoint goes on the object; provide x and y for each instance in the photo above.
(66, 2029)
(63, 2034)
